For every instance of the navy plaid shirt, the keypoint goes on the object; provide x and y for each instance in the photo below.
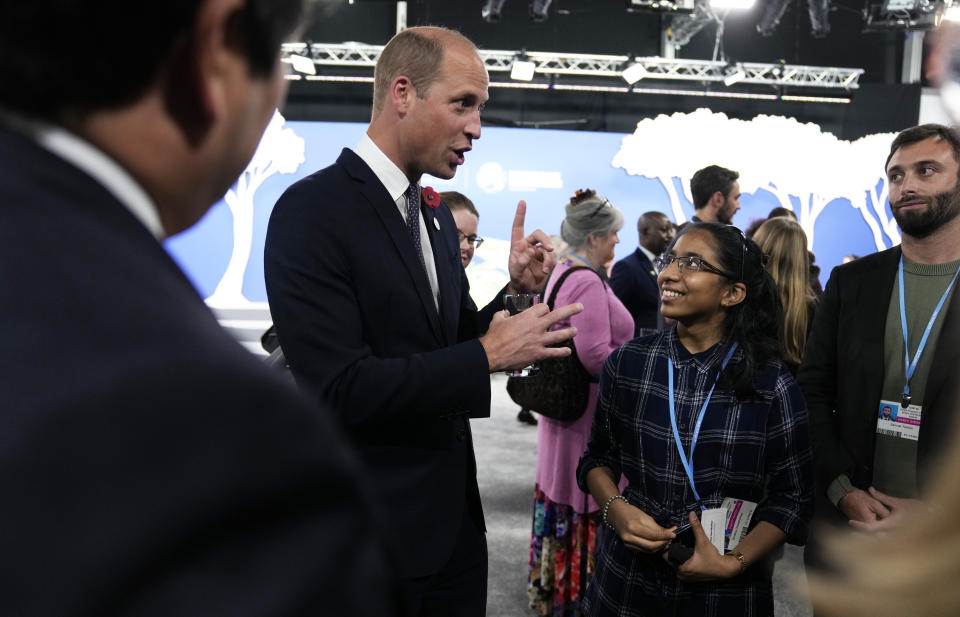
(756, 448)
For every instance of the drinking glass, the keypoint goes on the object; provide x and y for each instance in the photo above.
(517, 303)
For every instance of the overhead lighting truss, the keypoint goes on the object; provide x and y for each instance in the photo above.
(351, 55)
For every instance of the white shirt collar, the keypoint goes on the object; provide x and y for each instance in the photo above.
(90, 159)
(649, 254)
(386, 171)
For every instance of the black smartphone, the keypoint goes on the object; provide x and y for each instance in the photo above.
(681, 549)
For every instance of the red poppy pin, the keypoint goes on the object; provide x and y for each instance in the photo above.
(430, 196)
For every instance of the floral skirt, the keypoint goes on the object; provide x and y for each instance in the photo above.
(562, 548)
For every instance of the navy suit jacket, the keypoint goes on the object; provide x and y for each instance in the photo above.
(356, 320)
(634, 282)
(842, 375)
(149, 465)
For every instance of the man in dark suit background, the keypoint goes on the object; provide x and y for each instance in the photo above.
(868, 476)
(148, 464)
(374, 317)
(634, 278)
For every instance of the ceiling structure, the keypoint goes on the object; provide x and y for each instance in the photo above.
(583, 46)
(605, 27)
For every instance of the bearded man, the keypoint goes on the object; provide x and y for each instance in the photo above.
(886, 334)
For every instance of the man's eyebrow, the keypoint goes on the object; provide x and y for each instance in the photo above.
(927, 162)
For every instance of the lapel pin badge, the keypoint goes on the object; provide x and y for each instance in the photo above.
(436, 224)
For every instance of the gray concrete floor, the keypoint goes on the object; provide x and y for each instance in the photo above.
(506, 456)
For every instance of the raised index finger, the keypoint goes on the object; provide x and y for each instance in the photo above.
(516, 233)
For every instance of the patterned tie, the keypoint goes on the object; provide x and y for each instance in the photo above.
(413, 220)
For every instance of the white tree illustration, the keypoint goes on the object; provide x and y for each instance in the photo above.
(778, 154)
(280, 151)
(868, 154)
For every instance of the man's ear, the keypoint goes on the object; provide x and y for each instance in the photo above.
(734, 295)
(401, 94)
(197, 82)
(717, 200)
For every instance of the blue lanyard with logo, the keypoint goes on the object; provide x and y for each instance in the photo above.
(910, 367)
(688, 462)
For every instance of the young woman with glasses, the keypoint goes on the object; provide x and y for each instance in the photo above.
(706, 423)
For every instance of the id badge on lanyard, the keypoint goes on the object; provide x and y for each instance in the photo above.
(725, 526)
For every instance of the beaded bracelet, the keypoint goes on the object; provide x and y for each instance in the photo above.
(606, 508)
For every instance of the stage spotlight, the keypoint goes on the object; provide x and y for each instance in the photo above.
(683, 27)
(773, 10)
(634, 73)
(302, 64)
(660, 6)
(904, 15)
(735, 74)
(819, 11)
(538, 10)
(522, 69)
(731, 5)
(492, 10)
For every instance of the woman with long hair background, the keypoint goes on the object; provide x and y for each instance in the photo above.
(784, 243)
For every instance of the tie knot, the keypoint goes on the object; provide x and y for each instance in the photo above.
(413, 193)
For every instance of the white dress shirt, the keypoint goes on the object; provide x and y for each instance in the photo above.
(396, 183)
(650, 256)
(90, 159)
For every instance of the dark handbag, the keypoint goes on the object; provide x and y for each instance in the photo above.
(560, 389)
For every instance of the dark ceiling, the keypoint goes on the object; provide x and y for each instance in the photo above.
(606, 27)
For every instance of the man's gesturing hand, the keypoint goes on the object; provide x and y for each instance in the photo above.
(515, 342)
(531, 257)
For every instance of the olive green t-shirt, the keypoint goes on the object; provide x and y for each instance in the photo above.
(895, 458)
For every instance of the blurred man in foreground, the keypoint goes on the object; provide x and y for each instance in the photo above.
(148, 464)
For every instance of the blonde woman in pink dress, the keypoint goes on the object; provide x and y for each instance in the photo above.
(565, 518)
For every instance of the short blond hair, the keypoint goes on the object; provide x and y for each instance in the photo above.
(416, 53)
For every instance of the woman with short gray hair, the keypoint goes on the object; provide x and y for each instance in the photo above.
(565, 518)
(589, 219)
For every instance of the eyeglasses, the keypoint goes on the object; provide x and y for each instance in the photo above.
(602, 205)
(695, 264)
(476, 241)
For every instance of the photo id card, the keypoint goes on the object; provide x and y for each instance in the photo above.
(739, 514)
(896, 420)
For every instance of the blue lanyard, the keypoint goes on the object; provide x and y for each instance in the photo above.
(572, 254)
(688, 462)
(910, 367)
